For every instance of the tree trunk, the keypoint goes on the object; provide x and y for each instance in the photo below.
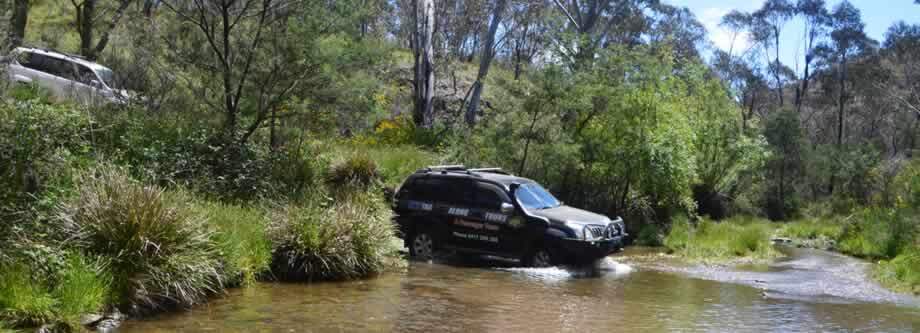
(424, 68)
(485, 61)
(776, 72)
(18, 22)
(800, 95)
(85, 15)
(841, 100)
(104, 39)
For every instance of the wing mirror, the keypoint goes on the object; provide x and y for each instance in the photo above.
(95, 84)
(507, 208)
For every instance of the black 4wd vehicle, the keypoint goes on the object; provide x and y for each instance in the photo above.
(490, 212)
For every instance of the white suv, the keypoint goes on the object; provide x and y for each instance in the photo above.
(66, 76)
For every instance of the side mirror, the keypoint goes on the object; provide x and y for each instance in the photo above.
(95, 84)
(507, 208)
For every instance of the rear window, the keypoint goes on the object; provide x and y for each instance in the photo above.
(50, 65)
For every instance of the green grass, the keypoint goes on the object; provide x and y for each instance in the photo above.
(351, 238)
(901, 273)
(83, 287)
(23, 300)
(240, 234)
(721, 241)
(397, 163)
(29, 298)
(812, 229)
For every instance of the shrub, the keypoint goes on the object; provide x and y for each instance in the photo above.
(39, 146)
(352, 238)
(356, 170)
(158, 253)
(678, 238)
(879, 233)
(241, 237)
(649, 235)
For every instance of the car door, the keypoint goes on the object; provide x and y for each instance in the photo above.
(86, 86)
(489, 198)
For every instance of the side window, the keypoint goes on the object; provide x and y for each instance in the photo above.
(61, 67)
(31, 61)
(457, 192)
(491, 197)
(85, 75)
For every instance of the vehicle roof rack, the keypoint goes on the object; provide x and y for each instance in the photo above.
(459, 168)
(490, 170)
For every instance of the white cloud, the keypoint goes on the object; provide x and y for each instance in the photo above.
(722, 38)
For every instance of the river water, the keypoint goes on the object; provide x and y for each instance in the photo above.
(636, 291)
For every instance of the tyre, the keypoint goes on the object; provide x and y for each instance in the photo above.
(541, 257)
(422, 246)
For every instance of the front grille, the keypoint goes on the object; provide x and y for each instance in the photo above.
(597, 231)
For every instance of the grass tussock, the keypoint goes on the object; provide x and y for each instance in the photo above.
(356, 170)
(711, 241)
(241, 237)
(347, 239)
(160, 254)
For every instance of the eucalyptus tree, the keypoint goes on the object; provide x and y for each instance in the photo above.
(86, 14)
(737, 22)
(848, 39)
(242, 55)
(900, 48)
(595, 24)
(770, 20)
(18, 21)
(817, 20)
(423, 22)
(485, 61)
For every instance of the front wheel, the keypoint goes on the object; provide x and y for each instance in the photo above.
(422, 246)
(539, 258)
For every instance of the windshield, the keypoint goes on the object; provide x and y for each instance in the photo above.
(534, 196)
(107, 76)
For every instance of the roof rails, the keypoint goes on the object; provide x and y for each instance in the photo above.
(463, 169)
(490, 170)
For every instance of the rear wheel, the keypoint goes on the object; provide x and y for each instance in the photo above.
(422, 246)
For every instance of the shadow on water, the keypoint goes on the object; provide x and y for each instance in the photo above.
(633, 291)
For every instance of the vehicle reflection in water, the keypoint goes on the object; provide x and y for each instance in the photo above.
(648, 294)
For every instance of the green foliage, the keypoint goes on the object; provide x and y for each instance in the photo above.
(813, 228)
(783, 131)
(82, 288)
(351, 238)
(241, 237)
(23, 300)
(40, 144)
(30, 298)
(718, 241)
(649, 235)
(879, 233)
(394, 164)
(160, 255)
(356, 170)
(901, 273)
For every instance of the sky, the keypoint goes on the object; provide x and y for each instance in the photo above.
(877, 14)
